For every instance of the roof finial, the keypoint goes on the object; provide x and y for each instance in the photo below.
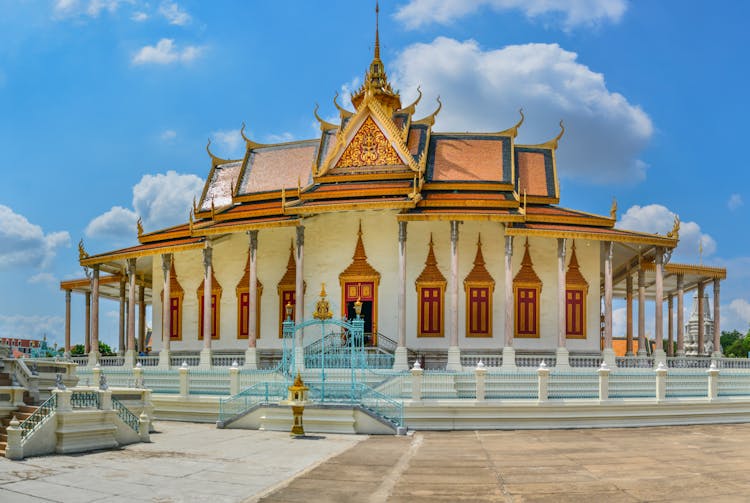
(377, 31)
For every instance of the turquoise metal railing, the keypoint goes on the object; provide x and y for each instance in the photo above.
(126, 415)
(381, 405)
(734, 384)
(39, 417)
(632, 384)
(84, 400)
(393, 384)
(571, 384)
(162, 381)
(518, 384)
(343, 359)
(261, 393)
(250, 377)
(209, 381)
(686, 383)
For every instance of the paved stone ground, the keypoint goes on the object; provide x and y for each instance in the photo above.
(197, 462)
(185, 462)
(685, 463)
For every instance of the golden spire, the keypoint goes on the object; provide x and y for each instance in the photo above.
(376, 81)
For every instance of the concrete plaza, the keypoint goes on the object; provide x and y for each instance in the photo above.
(197, 462)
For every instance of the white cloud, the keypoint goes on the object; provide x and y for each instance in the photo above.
(165, 52)
(45, 278)
(735, 201)
(655, 218)
(92, 8)
(165, 199)
(482, 90)
(739, 313)
(228, 144)
(117, 223)
(161, 200)
(25, 244)
(168, 135)
(619, 321)
(174, 13)
(570, 13)
(139, 16)
(284, 137)
(32, 327)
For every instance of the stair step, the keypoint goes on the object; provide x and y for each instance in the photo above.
(28, 409)
(3, 437)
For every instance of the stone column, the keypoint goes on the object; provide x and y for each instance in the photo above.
(454, 352)
(641, 312)
(142, 318)
(205, 359)
(608, 354)
(701, 319)
(251, 355)
(670, 325)
(717, 320)
(659, 355)
(166, 315)
(94, 351)
(509, 353)
(629, 314)
(562, 350)
(130, 354)
(400, 360)
(87, 338)
(680, 316)
(299, 298)
(67, 323)
(121, 324)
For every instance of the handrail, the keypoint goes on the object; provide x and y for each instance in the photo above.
(84, 399)
(248, 398)
(39, 417)
(126, 414)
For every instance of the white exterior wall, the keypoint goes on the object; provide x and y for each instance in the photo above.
(329, 246)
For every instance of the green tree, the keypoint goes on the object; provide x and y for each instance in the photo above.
(729, 338)
(105, 350)
(77, 350)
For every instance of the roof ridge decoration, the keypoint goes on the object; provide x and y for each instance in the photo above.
(139, 226)
(376, 83)
(479, 273)
(675, 232)
(613, 210)
(324, 125)
(215, 160)
(431, 273)
(527, 275)
(250, 144)
(360, 267)
(430, 119)
(552, 144)
(513, 131)
(82, 254)
(343, 112)
(573, 276)
(413, 107)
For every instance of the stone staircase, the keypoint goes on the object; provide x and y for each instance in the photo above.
(23, 412)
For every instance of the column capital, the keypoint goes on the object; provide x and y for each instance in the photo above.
(253, 239)
(659, 255)
(166, 262)
(680, 281)
(67, 295)
(509, 246)
(300, 236)
(207, 255)
(561, 244)
(454, 231)
(131, 266)
(402, 231)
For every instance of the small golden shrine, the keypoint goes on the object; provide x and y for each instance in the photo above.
(297, 397)
(322, 308)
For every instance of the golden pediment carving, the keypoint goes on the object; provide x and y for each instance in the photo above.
(369, 147)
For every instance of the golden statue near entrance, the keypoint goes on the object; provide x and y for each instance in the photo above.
(322, 309)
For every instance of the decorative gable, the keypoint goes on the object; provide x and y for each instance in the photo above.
(369, 147)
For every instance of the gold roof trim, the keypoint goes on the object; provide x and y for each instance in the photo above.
(527, 275)
(553, 142)
(712, 272)
(343, 112)
(513, 132)
(431, 275)
(367, 205)
(250, 144)
(324, 125)
(573, 276)
(211, 231)
(430, 119)
(432, 217)
(215, 161)
(479, 273)
(412, 108)
(100, 259)
(594, 236)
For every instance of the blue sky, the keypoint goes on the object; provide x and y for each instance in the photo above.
(105, 107)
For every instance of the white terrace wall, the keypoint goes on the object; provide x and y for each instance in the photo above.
(329, 245)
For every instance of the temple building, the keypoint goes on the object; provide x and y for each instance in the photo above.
(454, 243)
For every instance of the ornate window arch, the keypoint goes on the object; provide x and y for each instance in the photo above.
(527, 290)
(576, 291)
(431, 298)
(176, 295)
(479, 287)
